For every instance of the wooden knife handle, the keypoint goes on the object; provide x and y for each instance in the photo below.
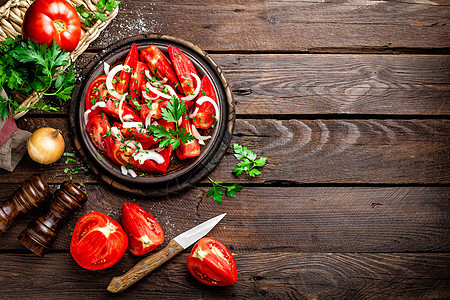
(144, 267)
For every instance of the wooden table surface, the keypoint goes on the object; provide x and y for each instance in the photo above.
(349, 100)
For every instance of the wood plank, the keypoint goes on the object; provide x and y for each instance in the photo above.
(260, 276)
(308, 219)
(305, 84)
(307, 152)
(287, 25)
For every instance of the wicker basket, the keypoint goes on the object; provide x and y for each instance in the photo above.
(11, 17)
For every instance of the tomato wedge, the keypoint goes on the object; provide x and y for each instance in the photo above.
(152, 167)
(112, 109)
(97, 127)
(183, 68)
(211, 263)
(190, 149)
(147, 140)
(96, 91)
(98, 242)
(137, 81)
(204, 118)
(131, 61)
(159, 65)
(144, 232)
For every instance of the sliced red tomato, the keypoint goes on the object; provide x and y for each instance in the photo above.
(152, 167)
(183, 68)
(97, 91)
(190, 149)
(112, 109)
(97, 128)
(46, 20)
(122, 153)
(131, 61)
(204, 118)
(98, 242)
(143, 231)
(211, 263)
(159, 65)
(137, 81)
(145, 139)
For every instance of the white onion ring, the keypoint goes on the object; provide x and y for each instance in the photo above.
(171, 91)
(196, 91)
(106, 67)
(199, 137)
(124, 170)
(98, 104)
(109, 79)
(86, 116)
(142, 156)
(116, 133)
(132, 173)
(146, 96)
(148, 119)
(132, 124)
(128, 117)
(156, 91)
(127, 68)
(120, 106)
(131, 144)
(154, 83)
(203, 99)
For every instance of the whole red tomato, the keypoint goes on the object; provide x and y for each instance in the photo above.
(211, 263)
(98, 242)
(144, 232)
(46, 20)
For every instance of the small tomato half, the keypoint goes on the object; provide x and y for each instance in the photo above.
(144, 232)
(98, 242)
(46, 20)
(211, 263)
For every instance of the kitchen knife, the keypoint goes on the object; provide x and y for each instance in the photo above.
(150, 263)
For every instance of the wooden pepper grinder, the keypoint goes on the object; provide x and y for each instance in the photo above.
(41, 232)
(33, 193)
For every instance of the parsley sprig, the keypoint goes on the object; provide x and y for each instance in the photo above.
(172, 113)
(90, 17)
(219, 187)
(27, 67)
(248, 161)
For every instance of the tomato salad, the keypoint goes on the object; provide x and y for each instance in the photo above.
(142, 113)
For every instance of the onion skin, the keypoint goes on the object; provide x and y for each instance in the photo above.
(45, 145)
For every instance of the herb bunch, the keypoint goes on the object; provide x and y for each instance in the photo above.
(27, 67)
(218, 187)
(103, 6)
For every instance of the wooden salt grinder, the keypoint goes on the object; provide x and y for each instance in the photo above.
(41, 232)
(33, 193)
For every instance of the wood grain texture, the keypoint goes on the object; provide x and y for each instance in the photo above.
(305, 151)
(287, 25)
(308, 219)
(260, 276)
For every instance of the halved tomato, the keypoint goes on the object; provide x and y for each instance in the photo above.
(183, 68)
(98, 242)
(144, 232)
(211, 263)
(159, 65)
(97, 128)
(97, 91)
(204, 118)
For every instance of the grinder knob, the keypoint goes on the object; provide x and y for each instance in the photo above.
(33, 193)
(41, 232)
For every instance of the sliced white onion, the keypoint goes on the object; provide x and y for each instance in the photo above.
(127, 117)
(199, 137)
(124, 170)
(147, 96)
(148, 119)
(132, 125)
(154, 83)
(86, 116)
(121, 105)
(156, 91)
(116, 133)
(196, 91)
(139, 145)
(106, 67)
(131, 144)
(127, 68)
(98, 104)
(202, 100)
(171, 90)
(109, 79)
(132, 173)
(142, 156)
(194, 113)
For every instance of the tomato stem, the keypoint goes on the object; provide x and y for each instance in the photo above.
(60, 25)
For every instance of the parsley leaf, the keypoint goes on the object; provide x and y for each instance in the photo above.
(90, 17)
(219, 187)
(248, 161)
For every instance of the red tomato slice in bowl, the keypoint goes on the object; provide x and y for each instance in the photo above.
(98, 242)
(144, 232)
(204, 118)
(211, 263)
(132, 58)
(183, 68)
(97, 91)
(97, 127)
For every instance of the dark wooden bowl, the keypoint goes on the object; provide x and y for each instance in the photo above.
(181, 174)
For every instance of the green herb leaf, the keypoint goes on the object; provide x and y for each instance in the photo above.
(248, 161)
(219, 187)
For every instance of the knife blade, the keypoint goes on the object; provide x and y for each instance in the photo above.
(150, 263)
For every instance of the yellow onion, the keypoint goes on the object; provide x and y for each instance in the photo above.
(45, 145)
